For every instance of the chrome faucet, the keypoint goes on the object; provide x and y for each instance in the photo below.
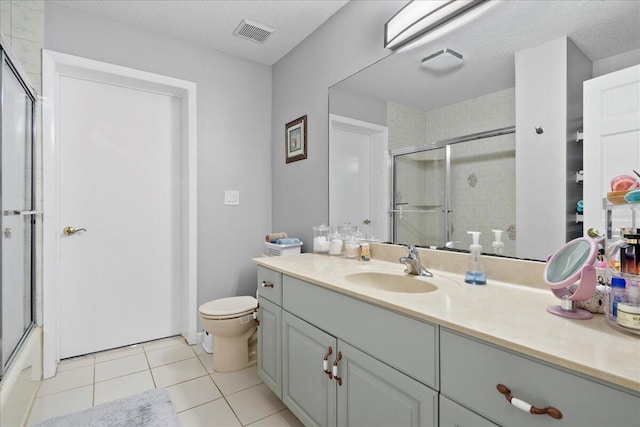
(414, 266)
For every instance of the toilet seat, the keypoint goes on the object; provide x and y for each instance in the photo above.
(228, 308)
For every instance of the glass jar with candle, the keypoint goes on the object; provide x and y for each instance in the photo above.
(336, 243)
(321, 241)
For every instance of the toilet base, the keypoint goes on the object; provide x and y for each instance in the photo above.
(233, 354)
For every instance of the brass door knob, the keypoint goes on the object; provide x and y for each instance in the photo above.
(69, 231)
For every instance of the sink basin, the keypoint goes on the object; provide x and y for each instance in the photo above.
(392, 282)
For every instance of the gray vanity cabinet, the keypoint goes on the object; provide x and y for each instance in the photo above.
(269, 345)
(392, 366)
(366, 392)
(319, 323)
(269, 329)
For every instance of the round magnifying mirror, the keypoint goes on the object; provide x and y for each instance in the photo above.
(570, 264)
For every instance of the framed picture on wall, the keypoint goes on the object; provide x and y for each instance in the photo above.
(295, 141)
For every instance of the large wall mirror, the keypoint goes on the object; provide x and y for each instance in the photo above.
(429, 138)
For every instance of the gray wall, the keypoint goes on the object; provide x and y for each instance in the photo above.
(234, 127)
(357, 106)
(351, 40)
(616, 63)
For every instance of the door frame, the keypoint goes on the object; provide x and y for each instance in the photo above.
(379, 136)
(54, 65)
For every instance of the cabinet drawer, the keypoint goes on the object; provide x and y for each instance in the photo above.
(406, 344)
(270, 285)
(454, 415)
(471, 370)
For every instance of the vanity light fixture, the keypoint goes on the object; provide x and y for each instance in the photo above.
(420, 17)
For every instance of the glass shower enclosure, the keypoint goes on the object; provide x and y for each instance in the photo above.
(445, 188)
(17, 112)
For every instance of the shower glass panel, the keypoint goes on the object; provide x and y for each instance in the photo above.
(483, 191)
(419, 202)
(16, 206)
(446, 188)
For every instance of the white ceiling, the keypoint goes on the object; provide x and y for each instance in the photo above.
(211, 22)
(599, 28)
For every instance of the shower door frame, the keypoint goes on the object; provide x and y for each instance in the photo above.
(446, 144)
(9, 58)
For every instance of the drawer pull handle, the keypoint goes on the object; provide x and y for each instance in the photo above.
(335, 368)
(266, 284)
(524, 406)
(325, 363)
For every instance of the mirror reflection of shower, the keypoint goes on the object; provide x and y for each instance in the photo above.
(445, 183)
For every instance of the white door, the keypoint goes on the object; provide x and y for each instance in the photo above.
(611, 136)
(358, 176)
(119, 180)
(350, 177)
(119, 168)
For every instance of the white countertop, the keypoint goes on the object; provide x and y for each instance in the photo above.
(508, 315)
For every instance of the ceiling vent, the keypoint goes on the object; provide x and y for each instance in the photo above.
(253, 31)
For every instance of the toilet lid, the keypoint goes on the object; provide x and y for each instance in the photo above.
(228, 306)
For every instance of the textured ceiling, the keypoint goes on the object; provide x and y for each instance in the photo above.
(599, 28)
(211, 23)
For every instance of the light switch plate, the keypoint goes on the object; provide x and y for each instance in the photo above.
(231, 197)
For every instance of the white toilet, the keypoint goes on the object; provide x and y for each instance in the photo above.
(230, 321)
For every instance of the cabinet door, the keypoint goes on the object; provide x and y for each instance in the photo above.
(454, 415)
(306, 389)
(269, 345)
(374, 394)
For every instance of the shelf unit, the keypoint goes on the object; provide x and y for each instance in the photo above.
(617, 218)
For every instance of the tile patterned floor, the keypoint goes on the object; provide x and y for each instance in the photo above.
(201, 396)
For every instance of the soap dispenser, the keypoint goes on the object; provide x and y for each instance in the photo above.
(498, 244)
(475, 271)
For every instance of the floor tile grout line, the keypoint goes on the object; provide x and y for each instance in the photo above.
(149, 367)
(120, 376)
(93, 386)
(65, 390)
(232, 410)
(221, 393)
(153, 379)
(267, 416)
(198, 405)
(169, 363)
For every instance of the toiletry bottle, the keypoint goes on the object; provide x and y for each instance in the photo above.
(498, 244)
(633, 292)
(618, 295)
(475, 271)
